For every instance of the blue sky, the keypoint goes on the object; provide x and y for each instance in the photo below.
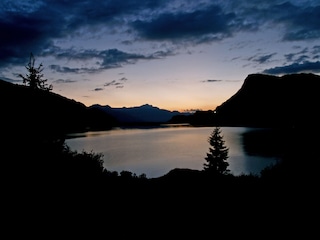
(173, 54)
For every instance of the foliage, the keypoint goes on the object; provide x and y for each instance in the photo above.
(218, 154)
(34, 78)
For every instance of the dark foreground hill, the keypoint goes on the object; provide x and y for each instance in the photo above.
(34, 110)
(49, 191)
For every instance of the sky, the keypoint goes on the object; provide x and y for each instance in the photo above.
(182, 55)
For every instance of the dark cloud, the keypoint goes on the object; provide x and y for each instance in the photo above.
(34, 26)
(25, 30)
(97, 89)
(31, 26)
(303, 55)
(289, 57)
(110, 83)
(295, 68)
(105, 59)
(302, 58)
(64, 81)
(117, 83)
(261, 58)
(211, 21)
(302, 24)
(300, 20)
(316, 50)
(114, 58)
(60, 69)
(210, 81)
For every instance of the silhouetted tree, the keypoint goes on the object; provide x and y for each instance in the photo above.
(34, 78)
(218, 154)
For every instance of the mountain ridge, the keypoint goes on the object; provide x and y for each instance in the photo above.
(145, 113)
(38, 111)
(262, 101)
(273, 101)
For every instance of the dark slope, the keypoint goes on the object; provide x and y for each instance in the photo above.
(264, 100)
(24, 109)
(46, 194)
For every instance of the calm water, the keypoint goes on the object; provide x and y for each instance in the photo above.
(156, 151)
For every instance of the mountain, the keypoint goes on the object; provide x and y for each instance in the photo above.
(31, 111)
(270, 101)
(140, 114)
(262, 101)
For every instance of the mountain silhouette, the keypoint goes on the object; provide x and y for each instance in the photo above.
(262, 101)
(43, 112)
(268, 101)
(42, 182)
(140, 114)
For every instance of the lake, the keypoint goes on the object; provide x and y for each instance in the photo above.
(156, 151)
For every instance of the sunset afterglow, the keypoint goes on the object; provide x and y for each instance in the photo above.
(176, 55)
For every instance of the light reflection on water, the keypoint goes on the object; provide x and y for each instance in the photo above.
(156, 151)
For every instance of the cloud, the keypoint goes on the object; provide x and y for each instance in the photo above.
(29, 26)
(36, 26)
(60, 69)
(261, 58)
(64, 81)
(113, 82)
(316, 50)
(99, 60)
(211, 22)
(117, 83)
(210, 81)
(306, 66)
(98, 89)
(298, 29)
(298, 19)
(298, 62)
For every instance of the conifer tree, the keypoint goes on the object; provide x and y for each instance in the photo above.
(216, 160)
(34, 78)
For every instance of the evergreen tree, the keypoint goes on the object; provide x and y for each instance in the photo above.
(35, 77)
(216, 159)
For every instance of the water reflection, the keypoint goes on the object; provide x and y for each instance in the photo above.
(156, 151)
(264, 142)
